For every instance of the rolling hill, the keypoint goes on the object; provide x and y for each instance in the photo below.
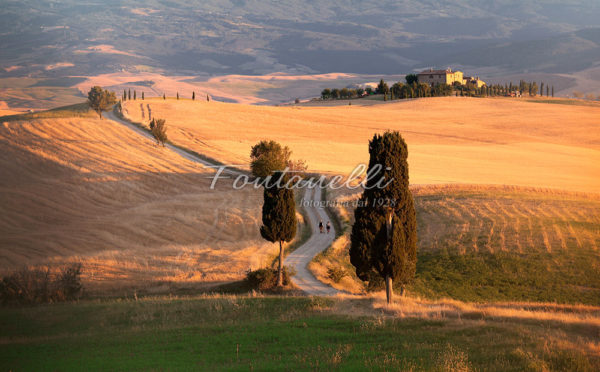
(136, 214)
(451, 140)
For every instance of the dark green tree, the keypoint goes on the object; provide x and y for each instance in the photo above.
(129, 94)
(207, 98)
(553, 91)
(542, 89)
(411, 78)
(135, 95)
(547, 91)
(178, 95)
(164, 96)
(124, 95)
(382, 87)
(267, 157)
(193, 96)
(335, 93)
(384, 235)
(142, 95)
(278, 216)
(100, 99)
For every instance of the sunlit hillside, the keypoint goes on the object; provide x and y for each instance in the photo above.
(136, 214)
(450, 140)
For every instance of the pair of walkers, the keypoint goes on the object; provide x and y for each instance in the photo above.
(328, 226)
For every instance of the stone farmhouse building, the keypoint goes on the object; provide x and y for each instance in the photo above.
(434, 77)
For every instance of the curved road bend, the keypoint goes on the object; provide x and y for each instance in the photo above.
(299, 258)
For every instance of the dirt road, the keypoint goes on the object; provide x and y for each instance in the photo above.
(300, 258)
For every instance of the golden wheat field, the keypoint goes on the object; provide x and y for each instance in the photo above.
(94, 191)
(451, 139)
(486, 218)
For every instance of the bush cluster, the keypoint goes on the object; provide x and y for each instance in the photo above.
(35, 285)
(265, 279)
(336, 273)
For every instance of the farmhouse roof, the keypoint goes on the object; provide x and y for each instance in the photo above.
(435, 72)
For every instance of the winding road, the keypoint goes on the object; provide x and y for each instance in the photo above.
(299, 258)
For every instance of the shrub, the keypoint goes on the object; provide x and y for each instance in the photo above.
(36, 285)
(336, 273)
(265, 279)
(158, 128)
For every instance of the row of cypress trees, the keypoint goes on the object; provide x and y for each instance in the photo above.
(127, 95)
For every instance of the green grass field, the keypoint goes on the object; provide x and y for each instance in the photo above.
(271, 333)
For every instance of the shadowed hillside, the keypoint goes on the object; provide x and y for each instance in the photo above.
(82, 189)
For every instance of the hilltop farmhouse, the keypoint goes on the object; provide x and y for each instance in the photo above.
(434, 77)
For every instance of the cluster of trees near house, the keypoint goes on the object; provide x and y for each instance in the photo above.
(411, 88)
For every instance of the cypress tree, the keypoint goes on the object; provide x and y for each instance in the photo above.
(553, 91)
(142, 95)
(129, 94)
(207, 98)
(164, 96)
(135, 95)
(278, 216)
(124, 95)
(193, 96)
(547, 91)
(384, 235)
(542, 89)
(178, 95)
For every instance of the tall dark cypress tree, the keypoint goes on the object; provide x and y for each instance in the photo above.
(129, 94)
(542, 89)
(135, 95)
(142, 95)
(278, 216)
(124, 95)
(164, 96)
(553, 91)
(547, 91)
(384, 235)
(193, 96)
(177, 95)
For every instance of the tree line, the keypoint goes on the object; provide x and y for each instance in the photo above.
(127, 96)
(411, 88)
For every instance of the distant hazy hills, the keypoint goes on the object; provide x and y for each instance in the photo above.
(60, 38)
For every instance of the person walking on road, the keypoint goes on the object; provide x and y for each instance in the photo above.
(321, 227)
(328, 226)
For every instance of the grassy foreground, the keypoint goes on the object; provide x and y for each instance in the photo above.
(267, 333)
